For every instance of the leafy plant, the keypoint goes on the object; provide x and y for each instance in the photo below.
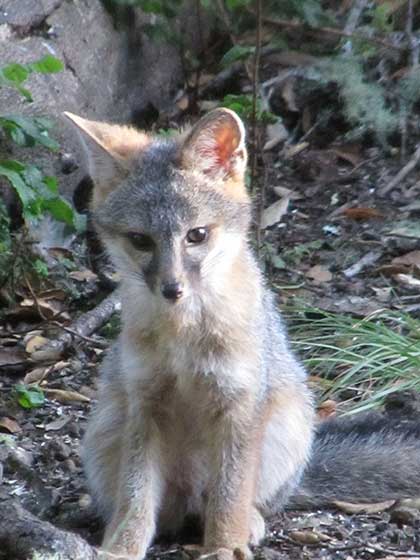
(362, 361)
(14, 75)
(243, 105)
(37, 193)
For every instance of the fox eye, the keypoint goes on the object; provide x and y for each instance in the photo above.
(197, 235)
(140, 241)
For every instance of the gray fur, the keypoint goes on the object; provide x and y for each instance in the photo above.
(365, 459)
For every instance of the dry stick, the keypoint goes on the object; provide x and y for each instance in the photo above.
(22, 535)
(403, 173)
(82, 328)
(331, 31)
(367, 260)
(255, 79)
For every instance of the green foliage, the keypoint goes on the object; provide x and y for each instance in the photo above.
(237, 52)
(41, 268)
(362, 361)
(28, 396)
(37, 193)
(243, 105)
(13, 75)
(382, 17)
(28, 132)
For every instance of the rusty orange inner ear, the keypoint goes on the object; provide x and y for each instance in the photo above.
(227, 142)
(218, 154)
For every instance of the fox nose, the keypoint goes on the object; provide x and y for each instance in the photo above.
(172, 290)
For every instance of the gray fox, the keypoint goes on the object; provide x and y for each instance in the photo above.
(202, 407)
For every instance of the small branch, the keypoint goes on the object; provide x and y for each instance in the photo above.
(285, 24)
(82, 328)
(403, 173)
(22, 535)
(367, 260)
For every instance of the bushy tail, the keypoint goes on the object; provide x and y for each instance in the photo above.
(371, 458)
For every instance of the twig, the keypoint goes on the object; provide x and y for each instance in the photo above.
(367, 260)
(403, 173)
(83, 327)
(331, 31)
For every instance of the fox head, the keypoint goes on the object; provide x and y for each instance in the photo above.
(173, 213)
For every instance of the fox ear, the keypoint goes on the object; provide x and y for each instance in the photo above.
(110, 149)
(216, 146)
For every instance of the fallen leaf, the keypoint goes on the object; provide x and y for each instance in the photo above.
(42, 307)
(35, 343)
(63, 396)
(276, 133)
(84, 275)
(296, 149)
(11, 356)
(349, 152)
(361, 213)
(274, 213)
(10, 425)
(383, 294)
(391, 269)
(36, 375)
(411, 258)
(309, 537)
(326, 409)
(408, 280)
(284, 191)
(351, 508)
(319, 274)
(56, 425)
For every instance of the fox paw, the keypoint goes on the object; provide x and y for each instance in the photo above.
(201, 553)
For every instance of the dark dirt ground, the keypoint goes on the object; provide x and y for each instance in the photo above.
(39, 447)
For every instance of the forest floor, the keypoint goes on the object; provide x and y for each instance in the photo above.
(336, 215)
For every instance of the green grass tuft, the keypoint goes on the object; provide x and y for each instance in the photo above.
(359, 361)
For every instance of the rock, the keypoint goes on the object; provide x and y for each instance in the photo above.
(24, 15)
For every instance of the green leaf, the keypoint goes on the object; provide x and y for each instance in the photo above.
(27, 131)
(15, 73)
(29, 397)
(12, 171)
(51, 183)
(47, 65)
(237, 52)
(60, 209)
(41, 268)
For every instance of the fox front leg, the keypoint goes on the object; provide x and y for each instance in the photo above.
(230, 507)
(133, 523)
